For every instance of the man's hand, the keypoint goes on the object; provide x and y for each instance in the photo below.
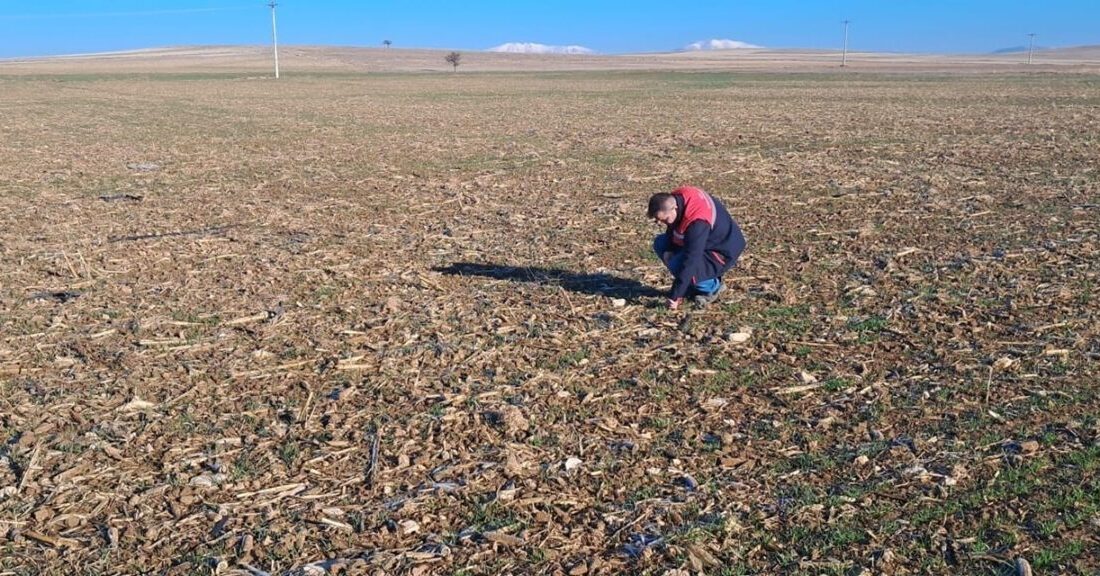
(667, 256)
(673, 304)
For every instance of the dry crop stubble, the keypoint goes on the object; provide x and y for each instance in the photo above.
(369, 320)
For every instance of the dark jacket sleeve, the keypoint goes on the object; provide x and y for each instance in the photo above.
(695, 244)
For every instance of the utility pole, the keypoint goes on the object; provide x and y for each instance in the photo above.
(274, 38)
(844, 55)
(1030, 47)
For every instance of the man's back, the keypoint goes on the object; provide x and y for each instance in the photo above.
(724, 235)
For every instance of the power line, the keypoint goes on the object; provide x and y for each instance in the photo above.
(274, 37)
(122, 14)
(844, 54)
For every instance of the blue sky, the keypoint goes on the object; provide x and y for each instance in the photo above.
(43, 27)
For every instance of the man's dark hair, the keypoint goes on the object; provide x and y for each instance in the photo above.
(657, 202)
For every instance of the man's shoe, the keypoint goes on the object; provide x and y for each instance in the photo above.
(705, 299)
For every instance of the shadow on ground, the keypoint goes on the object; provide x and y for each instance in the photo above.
(596, 284)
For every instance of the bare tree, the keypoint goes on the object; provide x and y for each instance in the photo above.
(453, 59)
(386, 43)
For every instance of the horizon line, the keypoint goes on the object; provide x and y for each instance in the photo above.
(491, 51)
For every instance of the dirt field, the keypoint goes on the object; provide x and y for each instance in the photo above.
(409, 324)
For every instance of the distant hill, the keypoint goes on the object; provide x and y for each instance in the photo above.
(1090, 52)
(256, 61)
(720, 44)
(535, 48)
(1082, 53)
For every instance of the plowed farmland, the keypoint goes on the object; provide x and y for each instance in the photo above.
(411, 324)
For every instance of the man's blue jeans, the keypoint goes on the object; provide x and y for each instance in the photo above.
(661, 244)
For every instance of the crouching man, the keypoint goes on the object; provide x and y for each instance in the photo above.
(700, 244)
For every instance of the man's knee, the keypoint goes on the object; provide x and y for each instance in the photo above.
(660, 244)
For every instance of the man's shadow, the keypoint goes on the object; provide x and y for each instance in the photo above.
(595, 284)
